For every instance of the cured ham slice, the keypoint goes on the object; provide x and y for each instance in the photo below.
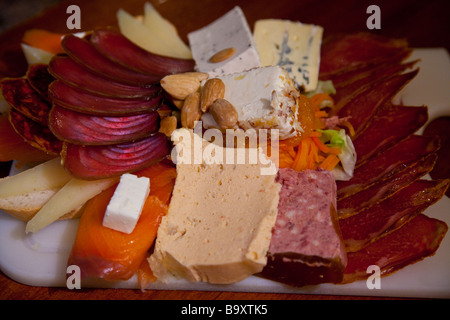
(352, 51)
(23, 98)
(391, 125)
(84, 129)
(379, 191)
(395, 159)
(361, 229)
(365, 104)
(417, 239)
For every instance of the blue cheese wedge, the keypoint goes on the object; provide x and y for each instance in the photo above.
(230, 33)
(264, 98)
(293, 45)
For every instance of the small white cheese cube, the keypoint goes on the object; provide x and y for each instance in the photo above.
(264, 98)
(229, 31)
(127, 202)
(293, 45)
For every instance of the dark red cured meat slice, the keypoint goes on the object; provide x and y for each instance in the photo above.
(348, 52)
(82, 101)
(361, 229)
(416, 240)
(23, 98)
(382, 190)
(365, 105)
(344, 79)
(306, 246)
(36, 134)
(440, 127)
(83, 129)
(97, 162)
(82, 51)
(39, 78)
(346, 93)
(118, 48)
(397, 158)
(73, 74)
(389, 126)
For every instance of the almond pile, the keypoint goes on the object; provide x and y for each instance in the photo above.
(194, 100)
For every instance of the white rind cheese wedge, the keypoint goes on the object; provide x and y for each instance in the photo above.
(216, 232)
(231, 31)
(293, 45)
(264, 98)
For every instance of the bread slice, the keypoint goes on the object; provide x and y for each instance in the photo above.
(25, 206)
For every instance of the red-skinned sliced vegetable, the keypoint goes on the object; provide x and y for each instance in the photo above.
(69, 71)
(82, 51)
(119, 49)
(85, 102)
(83, 129)
(96, 162)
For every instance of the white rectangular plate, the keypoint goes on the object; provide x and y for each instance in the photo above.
(40, 259)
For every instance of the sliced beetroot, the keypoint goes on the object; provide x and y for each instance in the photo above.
(67, 70)
(119, 49)
(23, 98)
(39, 78)
(96, 162)
(83, 101)
(36, 134)
(83, 52)
(83, 129)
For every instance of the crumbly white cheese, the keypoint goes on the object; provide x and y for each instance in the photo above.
(219, 230)
(293, 45)
(229, 31)
(264, 98)
(127, 202)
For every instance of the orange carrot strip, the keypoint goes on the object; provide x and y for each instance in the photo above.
(318, 98)
(330, 162)
(302, 154)
(316, 134)
(322, 147)
(321, 114)
(350, 128)
(43, 39)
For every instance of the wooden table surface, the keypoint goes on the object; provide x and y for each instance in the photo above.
(423, 23)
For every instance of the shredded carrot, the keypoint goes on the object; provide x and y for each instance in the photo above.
(330, 162)
(321, 114)
(350, 128)
(318, 98)
(316, 134)
(43, 39)
(322, 147)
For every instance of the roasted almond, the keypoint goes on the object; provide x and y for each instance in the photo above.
(168, 125)
(179, 86)
(201, 76)
(224, 114)
(212, 90)
(222, 55)
(191, 110)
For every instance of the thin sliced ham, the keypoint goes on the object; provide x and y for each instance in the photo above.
(382, 190)
(391, 125)
(416, 240)
(397, 158)
(353, 51)
(361, 229)
(366, 103)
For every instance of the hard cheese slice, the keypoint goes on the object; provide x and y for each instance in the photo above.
(293, 45)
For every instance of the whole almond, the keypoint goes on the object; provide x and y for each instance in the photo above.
(212, 90)
(224, 113)
(191, 110)
(222, 55)
(201, 76)
(168, 125)
(179, 86)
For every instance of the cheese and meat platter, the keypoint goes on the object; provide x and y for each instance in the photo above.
(136, 184)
